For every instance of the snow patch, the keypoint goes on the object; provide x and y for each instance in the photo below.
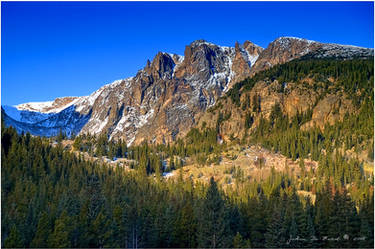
(35, 106)
(201, 42)
(251, 59)
(283, 38)
(101, 125)
(131, 140)
(144, 118)
(88, 101)
(168, 174)
(30, 117)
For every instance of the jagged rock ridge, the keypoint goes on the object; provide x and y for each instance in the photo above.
(165, 98)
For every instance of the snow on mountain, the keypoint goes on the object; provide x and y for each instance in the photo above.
(13, 112)
(35, 106)
(83, 104)
(164, 98)
(24, 115)
(55, 106)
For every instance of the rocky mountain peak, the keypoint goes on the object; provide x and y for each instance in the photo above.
(161, 66)
(245, 57)
(292, 46)
(287, 40)
(284, 49)
(253, 49)
(166, 97)
(201, 42)
(237, 46)
(202, 59)
(148, 64)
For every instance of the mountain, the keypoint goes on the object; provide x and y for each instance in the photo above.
(285, 49)
(167, 97)
(318, 93)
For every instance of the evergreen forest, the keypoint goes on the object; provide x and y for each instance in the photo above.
(53, 197)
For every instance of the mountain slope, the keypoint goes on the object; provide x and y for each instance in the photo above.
(165, 98)
(285, 49)
(282, 107)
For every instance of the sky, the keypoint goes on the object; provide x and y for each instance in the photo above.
(56, 49)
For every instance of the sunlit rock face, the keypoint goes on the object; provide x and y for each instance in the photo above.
(165, 98)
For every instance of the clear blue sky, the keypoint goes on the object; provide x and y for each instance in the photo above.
(53, 49)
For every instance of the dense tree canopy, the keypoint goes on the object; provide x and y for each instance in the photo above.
(52, 198)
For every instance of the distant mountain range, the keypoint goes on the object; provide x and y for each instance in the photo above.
(170, 94)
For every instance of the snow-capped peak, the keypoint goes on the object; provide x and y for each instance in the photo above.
(201, 42)
(55, 106)
(288, 38)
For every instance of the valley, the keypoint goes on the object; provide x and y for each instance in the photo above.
(187, 124)
(252, 163)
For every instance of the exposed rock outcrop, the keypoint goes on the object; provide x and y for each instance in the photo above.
(167, 97)
(295, 98)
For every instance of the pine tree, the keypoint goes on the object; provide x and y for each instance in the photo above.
(43, 230)
(14, 240)
(213, 227)
(99, 230)
(293, 240)
(310, 233)
(185, 228)
(59, 238)
(275, 235)
(239, 242)
(365, 234)
(302, 166)
(61, 136)
(77, 145)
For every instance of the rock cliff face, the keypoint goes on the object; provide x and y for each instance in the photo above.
(295, 97)
(156, 105)
(245, 57)
(166, 98)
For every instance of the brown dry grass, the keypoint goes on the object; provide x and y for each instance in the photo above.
(247, 161)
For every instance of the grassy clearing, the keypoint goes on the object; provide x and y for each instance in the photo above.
(246, 163)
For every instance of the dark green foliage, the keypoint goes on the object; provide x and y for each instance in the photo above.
(14, 240)
(197, 144)
(238, 242)
(63, 201)
(59, 238)
(220, 119)
(52, 198)
(256, 103)
(213, 226)
(276, 230)
(249, 120)
(40, 239)
(352, 75)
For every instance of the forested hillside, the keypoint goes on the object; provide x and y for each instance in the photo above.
(51, 198)
(54, 195)
(303, 109)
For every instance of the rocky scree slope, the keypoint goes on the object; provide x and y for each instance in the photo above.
(167, 97)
